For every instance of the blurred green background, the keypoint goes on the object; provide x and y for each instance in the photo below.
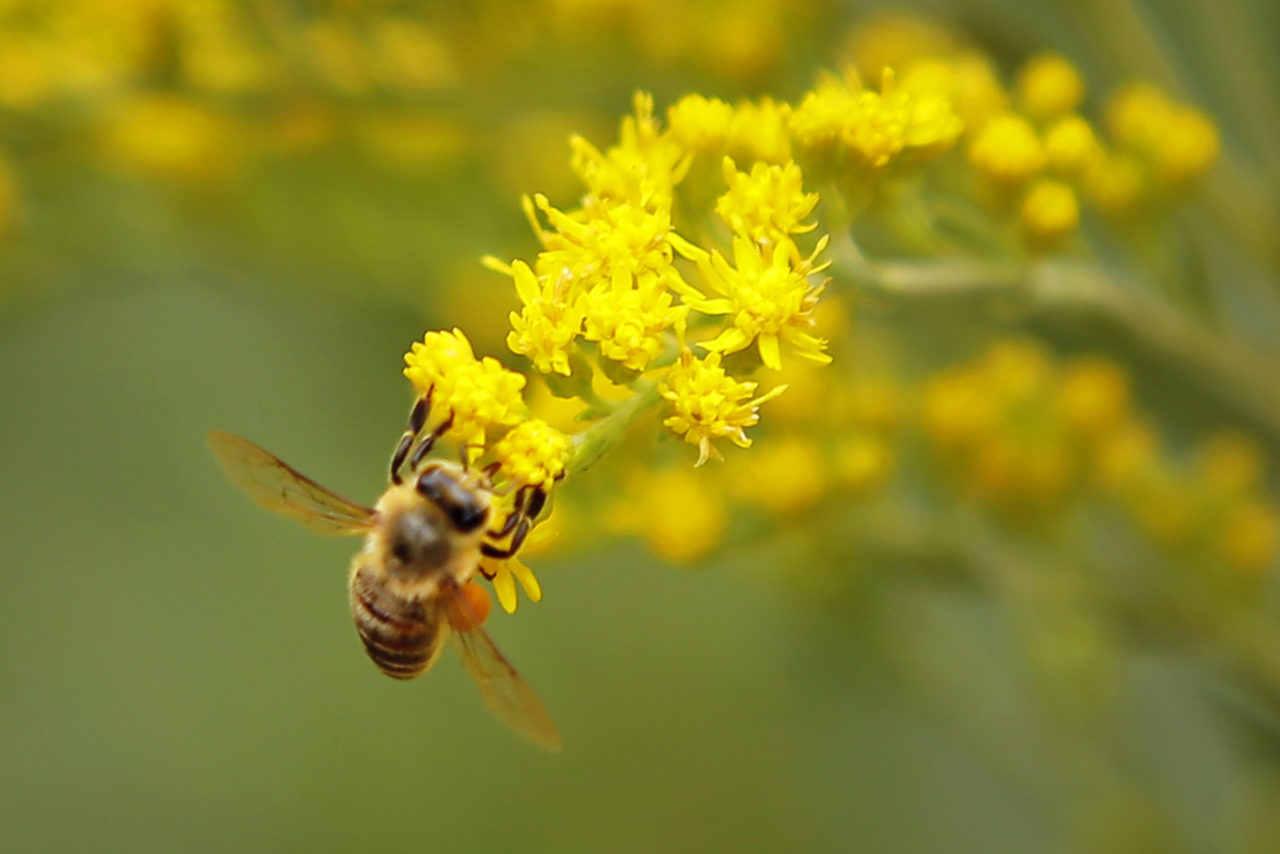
(178, 670)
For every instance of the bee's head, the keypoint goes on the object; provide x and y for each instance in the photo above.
(433, 523)
(463, 505)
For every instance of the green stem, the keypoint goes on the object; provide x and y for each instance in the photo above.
(595, 442)
(1244, 378)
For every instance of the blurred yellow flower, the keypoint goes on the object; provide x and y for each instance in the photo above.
(1049, 212)
(1007, 150)
(1049, 86)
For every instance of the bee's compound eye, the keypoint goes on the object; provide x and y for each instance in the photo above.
(464, 508)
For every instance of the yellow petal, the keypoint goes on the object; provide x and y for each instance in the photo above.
(505, 586)
(527, 580)
(769, 353)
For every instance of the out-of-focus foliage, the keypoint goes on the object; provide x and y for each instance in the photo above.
(988, 563)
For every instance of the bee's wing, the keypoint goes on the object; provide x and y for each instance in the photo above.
(505, 693)
(278, 486)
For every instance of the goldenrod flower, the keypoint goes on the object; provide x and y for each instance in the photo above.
(699, 123)
(1070, 147)
(533, 453)
(967, 81)
(709, 404)
(548, 323)
(874, 126)
(1115, 183)
(604, 244)
(479, 393)
(1049, 86)
(760, 130)
(679, 514)
(1007, 150)
(769, 297)
(645, 163)
(1178, 141)
(766, 204)
(1093, 396)
(630, 324)
(786, 475)
(1049, 212)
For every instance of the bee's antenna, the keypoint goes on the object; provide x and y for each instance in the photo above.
(417, 418)
(429, 441)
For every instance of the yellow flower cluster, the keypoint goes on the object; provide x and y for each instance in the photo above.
(841, 118)
(1020, 434)
(1034, 154)
(1028, 436)
(614, 288)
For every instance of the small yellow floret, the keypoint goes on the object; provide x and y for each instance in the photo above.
(1093, 396)
(709, 404)
(699, 123)
(479, 393)
(630, 324)
(1070, 147)
(677, 512)
(533, 453)
(1049, 212)
(548, 323)
(766, 204)
(1115, 184)
(876, 127)
(770, 297)
(1049, 86)
(1007, 150)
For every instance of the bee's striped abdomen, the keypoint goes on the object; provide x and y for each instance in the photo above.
(397, 633)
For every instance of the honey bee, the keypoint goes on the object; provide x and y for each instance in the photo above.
(410, 586)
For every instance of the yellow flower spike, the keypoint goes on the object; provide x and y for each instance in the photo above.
(769, 297)
(1070, 147)
(700, 124)
(533, 453)
(546, 326)
(709, 404)
(480, 393)
(1007, 150)
(767, 203)
(1049, 212)
(1049, 86)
